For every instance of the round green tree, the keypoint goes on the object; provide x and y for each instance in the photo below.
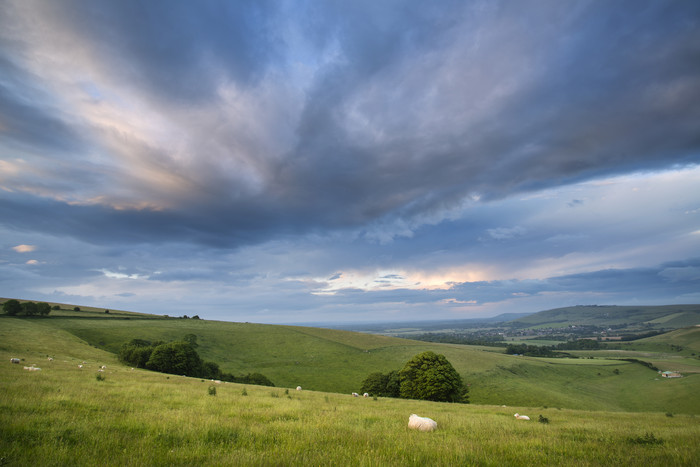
(429, 376)
(12, 307)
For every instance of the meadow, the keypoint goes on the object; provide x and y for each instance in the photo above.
(65, 415)
(338, 361)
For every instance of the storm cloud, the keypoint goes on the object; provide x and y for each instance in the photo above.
(303, 150)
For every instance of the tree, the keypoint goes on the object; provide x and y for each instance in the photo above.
(136, 353)
(380, 384)
(429, 376)
(191, 339)
(211, 370)
(177, 358)
(43, 308)
(29, 308)
(255, 378)
(12, 307)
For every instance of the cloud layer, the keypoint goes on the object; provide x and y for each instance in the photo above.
(297, 161)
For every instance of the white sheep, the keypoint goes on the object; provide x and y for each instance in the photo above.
(298, 388)
(14, 360)
(365, 395)
(80, 366)
(104, 367)
(32, 368)
(521, 417)
(354, 394)
(421, 423)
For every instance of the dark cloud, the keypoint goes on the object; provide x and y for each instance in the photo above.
(374, 138)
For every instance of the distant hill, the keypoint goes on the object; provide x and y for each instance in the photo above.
(404, 327)
(663, 317)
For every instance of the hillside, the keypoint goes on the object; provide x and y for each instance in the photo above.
(626, 317)
(338, 361)
(64, 415)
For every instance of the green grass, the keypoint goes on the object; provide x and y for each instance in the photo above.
(64, 416)
(338, 361)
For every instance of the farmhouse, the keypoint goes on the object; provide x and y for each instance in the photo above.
(671, 374)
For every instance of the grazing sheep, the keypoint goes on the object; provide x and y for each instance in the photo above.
(521, 417)
(354, 394)
(104, 367)
(32, 368)
(298, 388)
(421, 423)
(14, 360)
(80, 366)
(365, 395)
(51, 359)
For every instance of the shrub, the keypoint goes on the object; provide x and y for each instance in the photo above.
(648, 438)
(212, 390)
(100, 377)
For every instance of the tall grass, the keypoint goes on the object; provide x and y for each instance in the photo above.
(62, 415)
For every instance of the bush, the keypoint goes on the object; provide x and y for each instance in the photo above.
(212, 390)
(100, 377)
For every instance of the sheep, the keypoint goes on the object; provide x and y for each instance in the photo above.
(104, 367)
(521, 417)
(298, 388)
(354, 394)
(365, 395)
(421, 423)
(14, 360)
(80, 366)
(32, 368)
(51, 359)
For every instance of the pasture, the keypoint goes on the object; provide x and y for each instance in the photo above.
(64, 415)
(338, 361)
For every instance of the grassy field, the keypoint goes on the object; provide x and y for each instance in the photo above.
(338, 361)
(64, 415)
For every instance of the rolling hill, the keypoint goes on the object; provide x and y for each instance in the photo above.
(338, 361)
(628, 317)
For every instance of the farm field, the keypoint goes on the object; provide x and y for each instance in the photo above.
(63, 415)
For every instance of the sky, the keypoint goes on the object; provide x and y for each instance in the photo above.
(337, 162)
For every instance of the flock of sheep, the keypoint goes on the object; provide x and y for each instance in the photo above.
(414, 421)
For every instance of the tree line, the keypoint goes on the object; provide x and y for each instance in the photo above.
(180, 358)
(13, 307)
(427, 376)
